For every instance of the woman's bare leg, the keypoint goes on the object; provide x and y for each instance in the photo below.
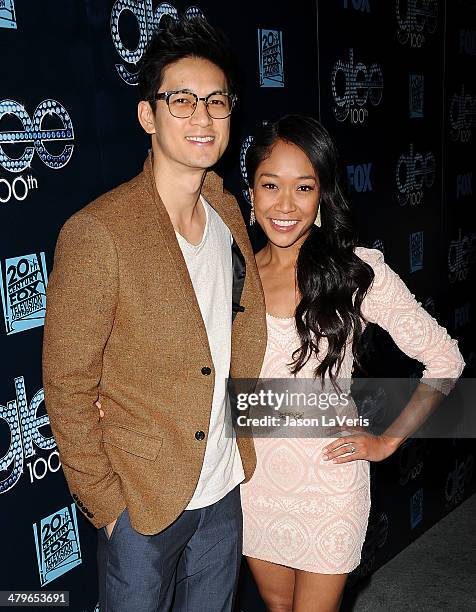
(318, 592)
(275, 584)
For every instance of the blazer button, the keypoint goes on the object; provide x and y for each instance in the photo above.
(90, 514)
(206, 371)
(75, 496)
(199, 435)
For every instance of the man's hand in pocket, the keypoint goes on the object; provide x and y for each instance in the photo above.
(101, 412)
(109, 528)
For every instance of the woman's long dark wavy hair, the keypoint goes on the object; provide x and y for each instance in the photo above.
(332, 280)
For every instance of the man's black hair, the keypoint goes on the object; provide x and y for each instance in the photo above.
(177, 39)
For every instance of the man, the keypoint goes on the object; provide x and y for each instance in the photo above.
(139, 317)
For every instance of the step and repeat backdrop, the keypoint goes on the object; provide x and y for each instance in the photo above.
(393, 82)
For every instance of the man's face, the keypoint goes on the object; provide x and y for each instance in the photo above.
(198, 141)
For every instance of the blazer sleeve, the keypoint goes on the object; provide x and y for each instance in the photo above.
(82, 295)
(390, 305)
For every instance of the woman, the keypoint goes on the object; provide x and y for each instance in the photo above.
(306, 508)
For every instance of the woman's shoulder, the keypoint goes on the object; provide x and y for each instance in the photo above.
(383, 274)
(370, 256)
(387, 286)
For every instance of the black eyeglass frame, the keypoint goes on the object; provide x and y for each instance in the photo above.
(165, 95)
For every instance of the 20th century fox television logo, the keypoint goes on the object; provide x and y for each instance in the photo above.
(7, 14)
(57, 544)
(23, 282)
(271, 65)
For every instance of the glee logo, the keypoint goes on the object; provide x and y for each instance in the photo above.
(414, 17)
(414, 172)
(458, 479)
(26, 433)
(379, 245)
(462, 116)
(34, 133)
(411, 460)
(17, 189)
(460, 253)
(148, 21)
(353, 86)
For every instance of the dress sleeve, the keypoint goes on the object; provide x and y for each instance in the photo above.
(390, 305)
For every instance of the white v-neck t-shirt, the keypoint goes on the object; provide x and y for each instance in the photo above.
(211, 272)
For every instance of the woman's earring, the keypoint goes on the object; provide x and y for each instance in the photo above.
(252, 215)
(318, 218)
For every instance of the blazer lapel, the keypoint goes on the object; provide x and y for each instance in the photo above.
(229, 211)
(179, 267)
(239, 275)
(226, 206)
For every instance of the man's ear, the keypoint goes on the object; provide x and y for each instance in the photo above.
(145, 114)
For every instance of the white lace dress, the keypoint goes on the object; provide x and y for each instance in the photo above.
(307, 513)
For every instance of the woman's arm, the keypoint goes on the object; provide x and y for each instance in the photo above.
(391, 305)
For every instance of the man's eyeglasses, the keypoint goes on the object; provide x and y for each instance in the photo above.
(182, 104)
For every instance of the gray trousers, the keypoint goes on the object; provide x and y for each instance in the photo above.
(191, 566)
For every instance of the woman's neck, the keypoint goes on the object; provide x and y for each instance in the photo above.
(280, 257)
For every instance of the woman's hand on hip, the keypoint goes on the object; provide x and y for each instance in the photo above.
(359, 446)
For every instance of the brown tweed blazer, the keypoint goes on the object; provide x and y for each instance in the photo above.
(123, 325)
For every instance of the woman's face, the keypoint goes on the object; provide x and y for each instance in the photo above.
(285, 195)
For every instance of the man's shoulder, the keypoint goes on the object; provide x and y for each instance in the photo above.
(119, 201)
(111, 214)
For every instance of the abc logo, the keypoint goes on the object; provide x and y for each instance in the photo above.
(34, 133)
(148, 21)
(353, 85)
(413, 18)
(414, 171)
